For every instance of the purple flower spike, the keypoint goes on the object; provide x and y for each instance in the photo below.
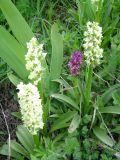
(76, 60)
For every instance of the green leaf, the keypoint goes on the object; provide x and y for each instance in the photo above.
(63, 120)
(116, 97)
(17, 115)
(18, 148)
(59, 126)
(2, 133)
(59, 137)
(113, 60)
(116, 129)
(65, 99)
(4, 151)
(68, 88)
(57, 53)
(108, 94)
(14, 79)
(25, 138)
(19, 27)
(72, 145)
(74, 124)
(13, 53)
(102, 135)
(111, 109)
(33, 158)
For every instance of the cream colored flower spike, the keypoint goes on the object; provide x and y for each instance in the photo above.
(95, 1)
(35, 58)
(31, 107)
(92, 41)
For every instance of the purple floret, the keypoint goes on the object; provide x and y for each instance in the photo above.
(76, 60)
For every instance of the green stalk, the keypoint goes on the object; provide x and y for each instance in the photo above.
(38, 7)
(81, 90)
(99, 12)
(45, 116)
(36, 139)
(88, 89)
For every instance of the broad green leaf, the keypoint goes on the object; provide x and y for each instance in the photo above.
(63, 120)
(17, 115)
(4, 151)
(102, 135)
(33, 158)
(89, 12)
(116, 129)
(59, 137)
(66, 99)
(25, 138)
(57, 53)
(65, 117)
(12, 53)
(85, 11)
(18, 148)
(68, 88)
(108, 94)
(2, 133)
(116, 97)
(74, 124)
(113, 61)
(110, 69)
(59, 126)
(19, 27)
(14, 79)
(111, 109)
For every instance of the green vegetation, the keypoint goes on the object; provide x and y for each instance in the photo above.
(80, 113)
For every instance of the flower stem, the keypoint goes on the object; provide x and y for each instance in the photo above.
(45, 116)
(88, 89)
(36, 140)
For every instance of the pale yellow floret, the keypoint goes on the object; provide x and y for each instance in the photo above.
(92, 41)
(35, 58)
(30, 107)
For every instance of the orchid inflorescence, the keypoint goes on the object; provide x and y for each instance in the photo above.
(92, 41)
(35, 60)
(30, 107)
(76, 60)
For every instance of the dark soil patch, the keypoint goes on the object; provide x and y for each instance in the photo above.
(9, 105)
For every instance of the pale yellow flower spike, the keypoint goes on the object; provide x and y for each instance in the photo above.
(92, 41)
(30, 107)
(34, 60)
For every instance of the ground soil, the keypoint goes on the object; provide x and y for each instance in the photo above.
(9, 105)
